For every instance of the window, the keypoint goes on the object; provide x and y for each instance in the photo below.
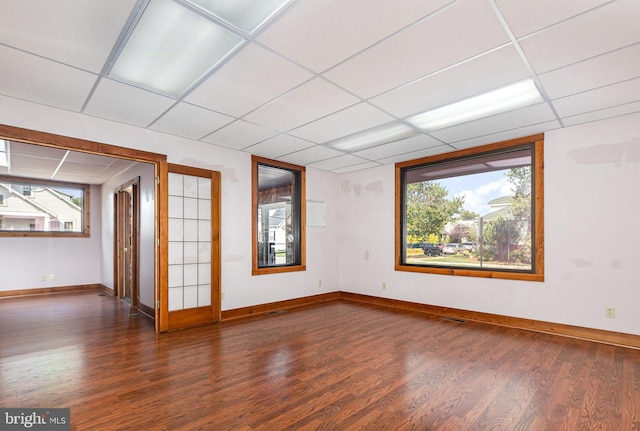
(475, 212)
(43, 208)
(278, 212)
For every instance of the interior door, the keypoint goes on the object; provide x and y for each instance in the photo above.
(193, 256)
(126, 248)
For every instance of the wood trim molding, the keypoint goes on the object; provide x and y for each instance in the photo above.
(239, 313)
(537, 164)
(578, 332)
(57, 289)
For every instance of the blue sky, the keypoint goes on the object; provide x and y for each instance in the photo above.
(478, 189)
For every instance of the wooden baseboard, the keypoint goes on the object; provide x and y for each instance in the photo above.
(589, 334)
(239, 313)
(58, 289)
(578, 332)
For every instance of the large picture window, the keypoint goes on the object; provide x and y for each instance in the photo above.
(475, 212)
(30, 207)
(278, 212)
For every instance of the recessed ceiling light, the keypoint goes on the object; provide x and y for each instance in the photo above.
(245, 15)
(376, 136)
(171, 48)
(504, 99)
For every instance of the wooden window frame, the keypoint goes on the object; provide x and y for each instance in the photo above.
(84, 233)
(256, 161)
(537, 198)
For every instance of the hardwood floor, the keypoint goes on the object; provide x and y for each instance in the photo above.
(332, 366)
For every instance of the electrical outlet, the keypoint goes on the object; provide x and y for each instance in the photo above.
(610, 312)
(43, 278)
(223, 296)
(384, 285)
(319, 283)
(52, 276)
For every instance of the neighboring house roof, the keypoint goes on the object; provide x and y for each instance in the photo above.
(501, 209)
(502, 200)
(26, 202)
(504, 212)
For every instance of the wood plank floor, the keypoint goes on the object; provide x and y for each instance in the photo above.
(332, 366)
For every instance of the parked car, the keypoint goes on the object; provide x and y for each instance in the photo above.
(431, 249)
(453, 248)
(471, 246)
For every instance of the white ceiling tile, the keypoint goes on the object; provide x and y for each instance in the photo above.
(42, 81)
(357, 167)
(440, 149)
(404, 146)
(612, 26)
(347, 26)
(250, 79)
(540, 113)
(310, 101)
(239, 135)
(77, 33)
(130, 105)
(596, 72)
(338, 162)
(279, 146)
(311, 155)
(616, 111)
(346, 122)
(459, 32)
(526, 16)
(484, 73)
(47, 165)
(190, 121)
(506, 135)
(601, 98)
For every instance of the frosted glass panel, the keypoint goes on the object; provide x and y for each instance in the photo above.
(175, 298)
(175, 184)
(204, 230)
(204, 295)
(190, 252)
(190, 275)
(190, 186)
(204, 188)
(175, 229)
(191, 208)
(191, 230)
(190, 296)
(189, 242)
(204, 209)
(204, 252)
(175, 207)
(175, 275)
(176, 254)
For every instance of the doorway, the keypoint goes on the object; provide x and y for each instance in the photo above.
(127, 243)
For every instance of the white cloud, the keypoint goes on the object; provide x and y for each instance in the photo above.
(476, 200)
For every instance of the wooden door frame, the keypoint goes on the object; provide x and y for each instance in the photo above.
(159, 161)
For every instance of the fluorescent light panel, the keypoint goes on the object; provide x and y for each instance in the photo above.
(170, 48)
(376, 136)
(245, 15)
(505, 99)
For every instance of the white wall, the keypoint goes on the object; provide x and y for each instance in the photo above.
(240, 288)
(591, 233)
(72, 261)
(592, 238)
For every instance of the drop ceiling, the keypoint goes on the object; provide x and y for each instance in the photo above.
(320, 70)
